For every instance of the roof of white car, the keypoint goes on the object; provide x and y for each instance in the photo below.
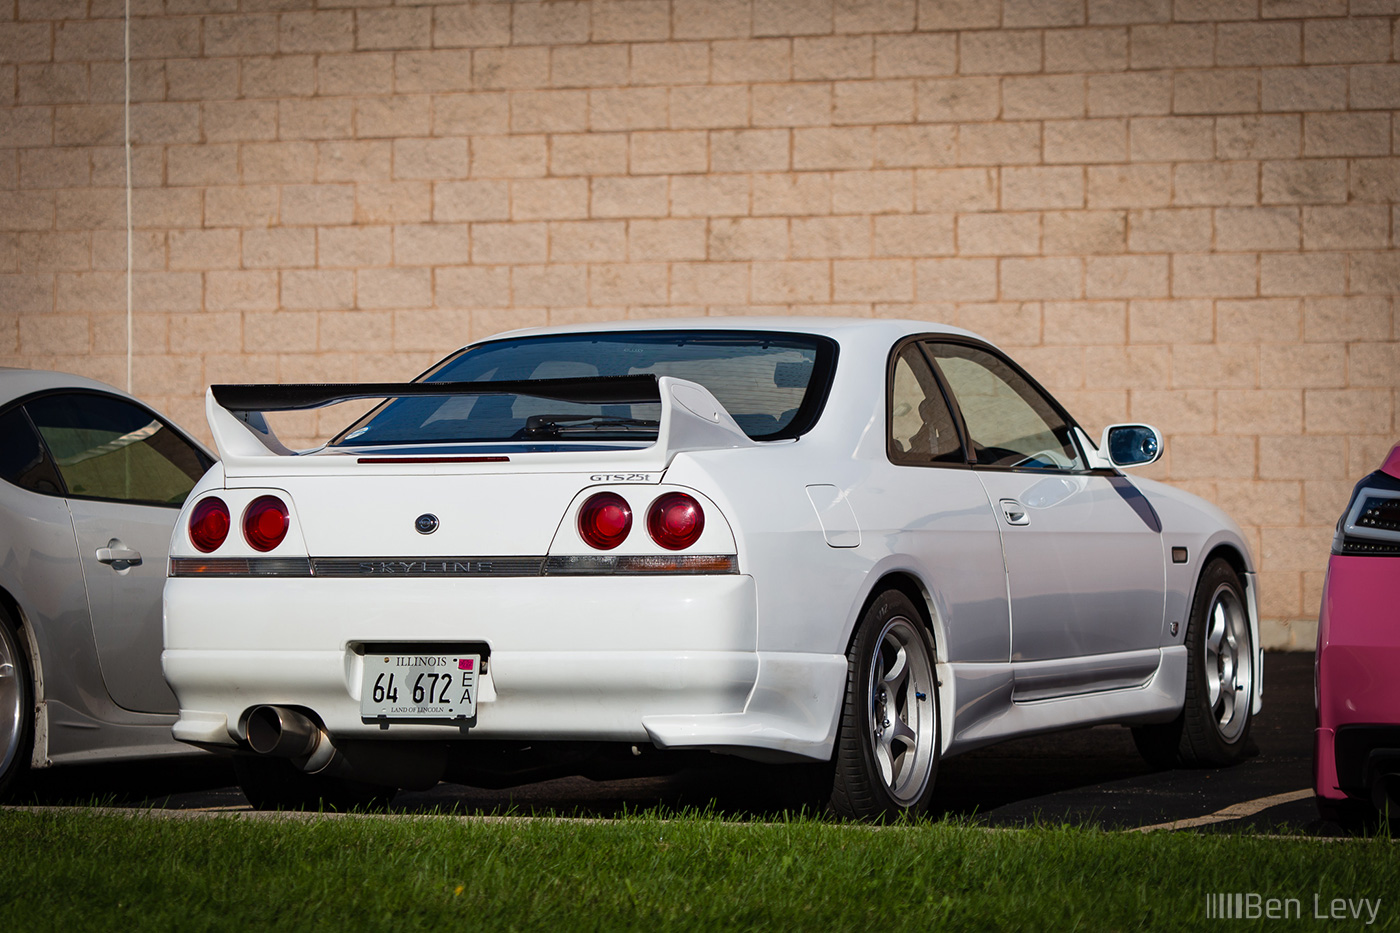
(839, 329)
(17, 382)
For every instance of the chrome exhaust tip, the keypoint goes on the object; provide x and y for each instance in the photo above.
(280, 732)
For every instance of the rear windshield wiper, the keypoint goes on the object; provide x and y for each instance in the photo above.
(560, 425)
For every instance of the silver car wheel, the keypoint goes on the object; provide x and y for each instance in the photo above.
(12, 700)
(1229, 663)
(903, 730)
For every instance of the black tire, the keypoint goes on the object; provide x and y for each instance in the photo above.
(888, 746)
(277, 784)
(16, 706)
(1213, 727)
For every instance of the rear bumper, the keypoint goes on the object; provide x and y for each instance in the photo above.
(1350, 760)
(669, 661)
(1358, 672)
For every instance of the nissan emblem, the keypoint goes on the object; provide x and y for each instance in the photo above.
(426, 524)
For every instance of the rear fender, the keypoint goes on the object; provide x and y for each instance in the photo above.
(39, 757)
(894, 574)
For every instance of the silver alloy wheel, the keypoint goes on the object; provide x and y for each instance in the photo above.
(1229, 662)
(902, 725)
(12, 709)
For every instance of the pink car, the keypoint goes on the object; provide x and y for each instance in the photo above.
(1356, 764)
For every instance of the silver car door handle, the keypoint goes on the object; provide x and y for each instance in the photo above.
(1015, 512)
(114, 555)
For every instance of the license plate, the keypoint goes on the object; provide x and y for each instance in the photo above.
(422, 685)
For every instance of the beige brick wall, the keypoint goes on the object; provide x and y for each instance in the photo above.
(1177, 211)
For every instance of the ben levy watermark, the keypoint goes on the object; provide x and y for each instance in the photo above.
(1241, 905)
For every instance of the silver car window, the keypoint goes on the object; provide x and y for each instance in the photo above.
(109, 448)
(23, 460)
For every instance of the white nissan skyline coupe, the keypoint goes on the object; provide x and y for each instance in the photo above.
(863, 545)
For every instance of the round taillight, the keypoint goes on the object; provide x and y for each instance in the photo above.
(675, 521)
(209, 524)
(265, 523)
(605, 520)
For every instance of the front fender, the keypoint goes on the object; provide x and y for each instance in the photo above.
(1203, 530)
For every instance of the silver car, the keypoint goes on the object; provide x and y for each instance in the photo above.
(91, 482)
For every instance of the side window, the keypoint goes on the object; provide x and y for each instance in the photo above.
(108, 448)
(1008, 422)
(23, 460)
(921, 427)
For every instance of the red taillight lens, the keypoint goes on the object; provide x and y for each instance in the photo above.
(265, 523)
(675, 521)
(605, 520)
(209, 524)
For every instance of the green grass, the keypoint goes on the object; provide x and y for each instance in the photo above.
(75, 871)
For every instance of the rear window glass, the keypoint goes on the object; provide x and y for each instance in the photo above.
(772, 384)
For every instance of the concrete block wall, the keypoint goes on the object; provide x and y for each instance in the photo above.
(1175, 211)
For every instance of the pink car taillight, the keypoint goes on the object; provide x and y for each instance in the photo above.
(675, 521)
(265, 522)
(209, 524)
(605, 521)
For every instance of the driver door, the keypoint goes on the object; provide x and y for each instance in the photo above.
(1085, 570)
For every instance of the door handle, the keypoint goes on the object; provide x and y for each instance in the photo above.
(1015, 512)
(117, 553)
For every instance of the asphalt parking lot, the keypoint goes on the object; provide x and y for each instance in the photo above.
(1088, 777)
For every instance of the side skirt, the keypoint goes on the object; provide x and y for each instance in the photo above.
(75, 738)
(986, 709)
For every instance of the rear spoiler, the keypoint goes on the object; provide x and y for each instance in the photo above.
(602, 390)
(691, 417)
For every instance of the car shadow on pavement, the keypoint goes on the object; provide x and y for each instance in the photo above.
(146, 783)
